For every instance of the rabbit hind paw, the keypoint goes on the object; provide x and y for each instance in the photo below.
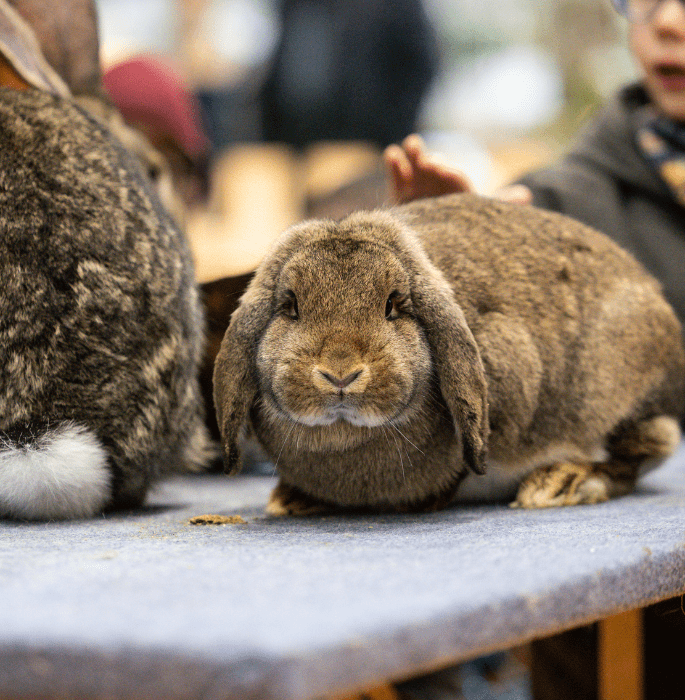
(563, 484)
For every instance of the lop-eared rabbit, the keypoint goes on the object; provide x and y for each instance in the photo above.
(100, 323)
(456, 348)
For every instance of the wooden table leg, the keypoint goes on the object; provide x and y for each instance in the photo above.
(621, 657)
(381, 692)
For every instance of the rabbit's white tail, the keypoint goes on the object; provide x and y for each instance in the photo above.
(61, 473)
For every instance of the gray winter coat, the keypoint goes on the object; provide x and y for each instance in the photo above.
(606, 182)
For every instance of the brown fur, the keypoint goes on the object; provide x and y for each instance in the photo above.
(55, 47)
(100, 320)
(515, 333)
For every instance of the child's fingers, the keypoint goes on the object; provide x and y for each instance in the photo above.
(396, 162)
(399, 169)
(415, 149)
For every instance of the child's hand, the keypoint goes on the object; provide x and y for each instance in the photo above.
(415, 174)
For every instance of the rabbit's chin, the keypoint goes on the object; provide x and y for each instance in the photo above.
(361, 418)
(345, 415)
(338, 415)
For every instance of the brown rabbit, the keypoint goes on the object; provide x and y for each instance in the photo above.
(101, 329)
(454, 348)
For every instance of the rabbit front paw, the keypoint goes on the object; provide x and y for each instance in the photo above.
(288, 500)
(562, 484)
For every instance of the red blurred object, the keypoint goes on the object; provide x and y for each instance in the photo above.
(152, 95)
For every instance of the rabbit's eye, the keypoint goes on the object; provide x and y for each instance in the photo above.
(289, 306)
(396, 305)
(392, 306)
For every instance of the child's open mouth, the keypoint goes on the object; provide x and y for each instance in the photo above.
(671, 75)
(666, 69)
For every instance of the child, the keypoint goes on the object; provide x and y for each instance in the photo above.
(626, 174)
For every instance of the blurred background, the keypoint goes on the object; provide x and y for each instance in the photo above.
(297, 98)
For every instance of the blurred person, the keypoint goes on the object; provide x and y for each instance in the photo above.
(350, 71)
(626, 174)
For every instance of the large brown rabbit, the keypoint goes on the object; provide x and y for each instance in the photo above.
(454, 348)
(101, 329)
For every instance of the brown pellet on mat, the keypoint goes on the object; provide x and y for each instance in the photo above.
(216, 520)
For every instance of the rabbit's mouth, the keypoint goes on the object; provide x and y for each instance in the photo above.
(343, 412)
(354, 401)
(353, 409)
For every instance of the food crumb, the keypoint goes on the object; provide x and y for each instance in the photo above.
(216, 520)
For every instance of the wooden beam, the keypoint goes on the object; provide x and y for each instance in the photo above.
(621, 657)
(381, 692)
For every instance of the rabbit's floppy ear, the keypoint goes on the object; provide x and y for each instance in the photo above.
(19, 45)
(235, 374)
(235, 382)
(457, 361)
(456, 356)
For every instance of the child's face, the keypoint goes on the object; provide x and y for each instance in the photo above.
(659, 46)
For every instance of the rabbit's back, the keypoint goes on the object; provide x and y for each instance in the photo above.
(100, 327)
(517, 259)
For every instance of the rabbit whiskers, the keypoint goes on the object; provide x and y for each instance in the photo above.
(395, 428)
(388, 427)
(293, 423)
(399, 450)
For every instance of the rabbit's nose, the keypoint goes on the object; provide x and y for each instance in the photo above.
(338, 382)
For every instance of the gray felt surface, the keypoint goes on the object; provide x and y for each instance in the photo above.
(145, 605)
